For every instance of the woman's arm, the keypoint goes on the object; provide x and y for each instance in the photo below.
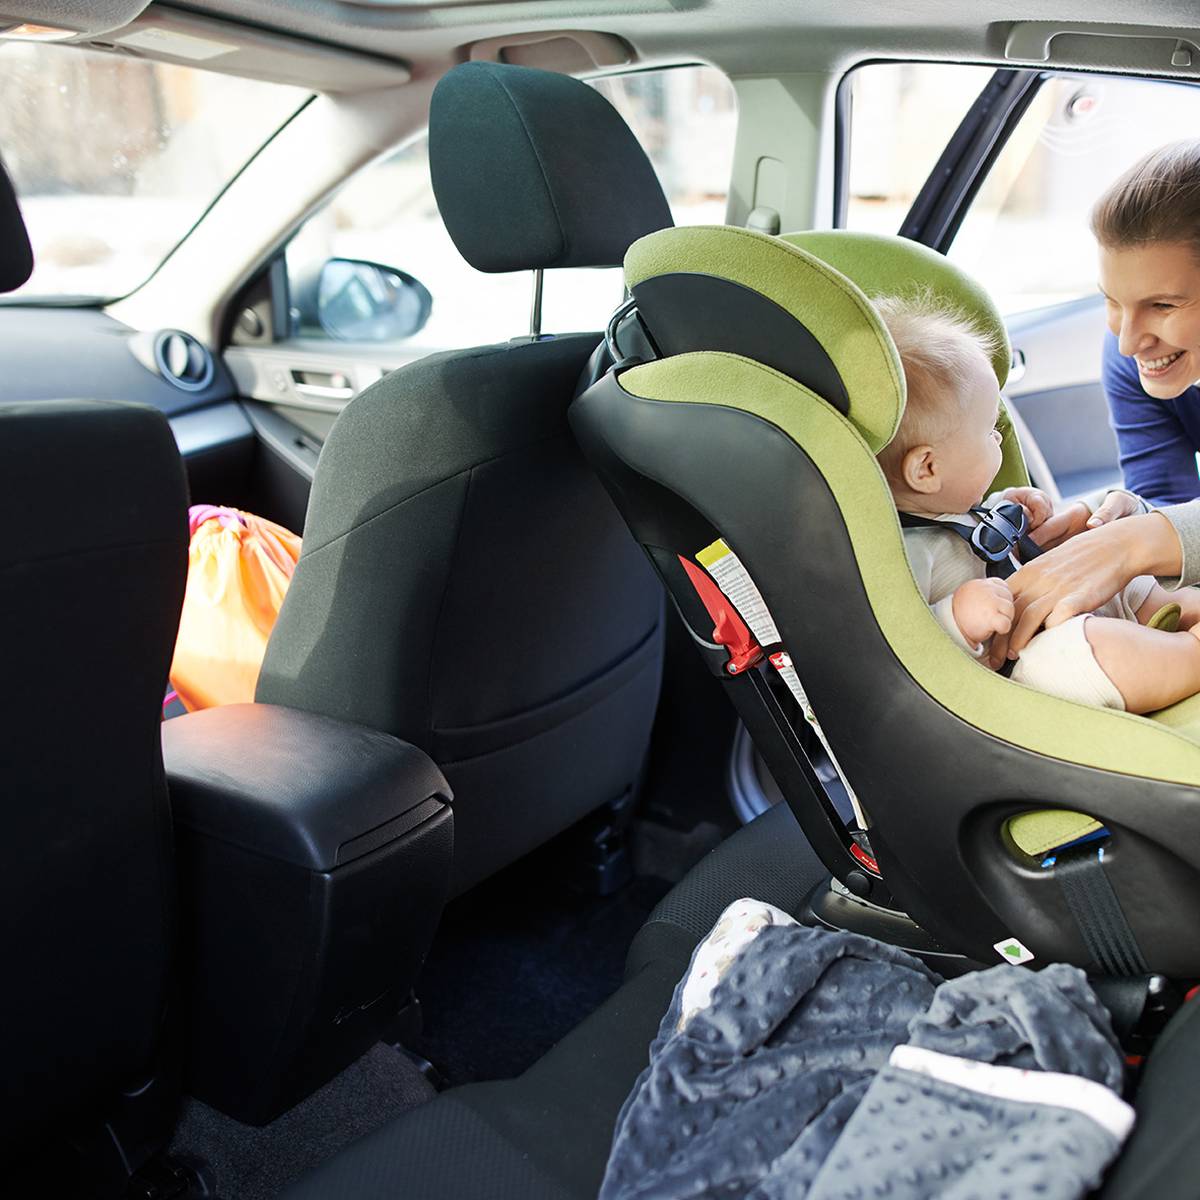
(1158, 455)
(1185, 519)
(1091, 568)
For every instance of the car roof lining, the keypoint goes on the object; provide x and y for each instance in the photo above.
(761, 37)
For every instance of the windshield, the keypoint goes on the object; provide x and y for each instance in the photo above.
(115, 158)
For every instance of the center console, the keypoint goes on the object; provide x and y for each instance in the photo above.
(314, 859)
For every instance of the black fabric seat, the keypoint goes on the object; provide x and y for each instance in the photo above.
(92, 569)
(546, 1134)
(466, 583)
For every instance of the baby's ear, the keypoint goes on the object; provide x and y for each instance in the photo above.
(919, 469)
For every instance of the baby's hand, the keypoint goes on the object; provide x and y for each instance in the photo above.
(1037, 505)
(983, 607)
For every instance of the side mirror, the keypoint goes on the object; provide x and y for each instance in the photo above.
(365, 302)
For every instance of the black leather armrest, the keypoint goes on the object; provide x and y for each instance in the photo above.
(294, 786)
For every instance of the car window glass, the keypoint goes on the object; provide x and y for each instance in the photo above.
(684, 117)
(901, 117)
(1025, 236)
(114, 158)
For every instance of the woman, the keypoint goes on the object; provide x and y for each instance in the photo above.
(1148, 227)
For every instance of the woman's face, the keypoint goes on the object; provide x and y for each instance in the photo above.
(1153, 297)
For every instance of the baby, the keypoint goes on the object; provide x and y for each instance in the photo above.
(943, 457)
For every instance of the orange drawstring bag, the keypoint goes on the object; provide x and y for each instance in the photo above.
(239, 568)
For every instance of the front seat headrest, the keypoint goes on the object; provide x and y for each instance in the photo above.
(532, 170)
(16, 254)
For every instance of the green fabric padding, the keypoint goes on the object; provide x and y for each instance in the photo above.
(1166, 748)
(1037, 832)
(794, 271)
(894, 266)
(829, 306)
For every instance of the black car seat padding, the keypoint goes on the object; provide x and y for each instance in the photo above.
(92, 569)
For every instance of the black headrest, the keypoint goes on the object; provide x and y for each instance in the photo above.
(16, 255)
(533, 169)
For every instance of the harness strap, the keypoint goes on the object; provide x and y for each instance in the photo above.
(999, 566)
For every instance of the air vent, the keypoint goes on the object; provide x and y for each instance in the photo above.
(182, 360)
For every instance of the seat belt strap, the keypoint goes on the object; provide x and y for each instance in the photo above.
(1097, 912)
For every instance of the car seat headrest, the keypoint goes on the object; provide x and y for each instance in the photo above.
(784, 302)
(532, 169)
(16, 255)
(894, 266)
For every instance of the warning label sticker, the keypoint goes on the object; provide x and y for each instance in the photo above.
(734, 580)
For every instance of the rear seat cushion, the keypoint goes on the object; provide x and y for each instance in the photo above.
(542, 1136)
(546, 1135)
(769, 859)
(1161, 1160)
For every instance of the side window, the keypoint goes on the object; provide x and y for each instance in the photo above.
(901, 116)
(684, 117)
(1025, 236)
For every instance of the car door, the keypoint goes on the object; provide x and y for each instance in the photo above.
(1008, 200)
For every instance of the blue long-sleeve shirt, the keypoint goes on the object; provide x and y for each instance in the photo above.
(1157, 439)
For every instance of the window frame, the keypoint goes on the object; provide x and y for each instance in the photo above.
(967, 159)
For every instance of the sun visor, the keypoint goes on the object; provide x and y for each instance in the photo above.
(16, 255)
(532, 169)
(90, 19)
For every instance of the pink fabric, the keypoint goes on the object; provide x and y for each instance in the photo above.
(230, 518)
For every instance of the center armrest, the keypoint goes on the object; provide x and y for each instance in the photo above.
(295, 786)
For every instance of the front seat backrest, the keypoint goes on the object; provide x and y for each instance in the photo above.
(466, 584)
(92, 567)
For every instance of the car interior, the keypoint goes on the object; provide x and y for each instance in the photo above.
(549, 326)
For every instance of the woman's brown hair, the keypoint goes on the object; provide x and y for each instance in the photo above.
(1156, 200)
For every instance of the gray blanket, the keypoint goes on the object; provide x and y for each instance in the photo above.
(782, 1088)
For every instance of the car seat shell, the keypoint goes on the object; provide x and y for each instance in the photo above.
(942, 751)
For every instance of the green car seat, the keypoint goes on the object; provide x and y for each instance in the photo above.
(753, 385)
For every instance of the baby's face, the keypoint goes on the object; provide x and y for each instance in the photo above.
(969, 456)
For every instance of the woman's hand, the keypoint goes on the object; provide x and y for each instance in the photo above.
(1086, 571)
(1076, 518)
(1116, 504)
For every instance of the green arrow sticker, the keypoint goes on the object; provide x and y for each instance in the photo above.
(1012, 951)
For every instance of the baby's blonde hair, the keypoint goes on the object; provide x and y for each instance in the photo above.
(936, 344)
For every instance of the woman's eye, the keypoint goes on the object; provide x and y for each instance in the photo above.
(1162, 304)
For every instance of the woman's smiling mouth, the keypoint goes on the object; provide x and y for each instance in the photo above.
(1153, 368)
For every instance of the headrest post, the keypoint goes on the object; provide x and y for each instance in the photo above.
(535, 313)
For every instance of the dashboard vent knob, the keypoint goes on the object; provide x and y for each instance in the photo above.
(183, 361)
